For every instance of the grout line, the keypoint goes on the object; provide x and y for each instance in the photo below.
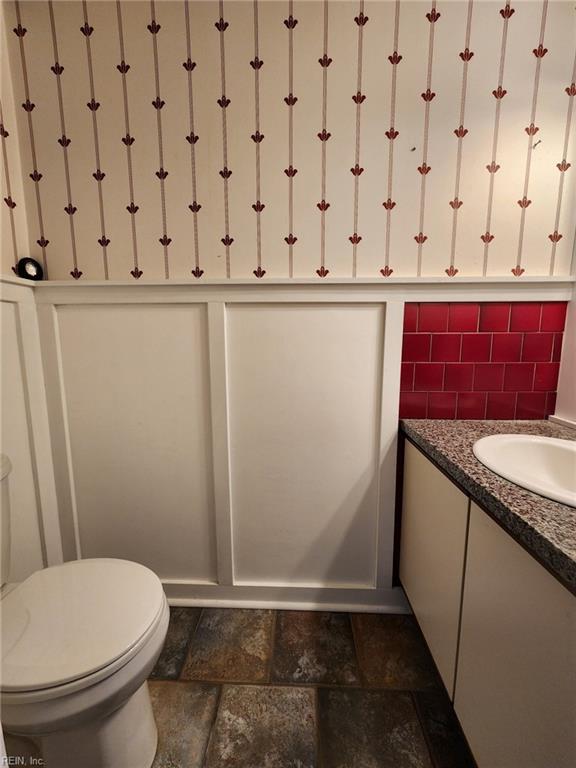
(190, 639)
(287, 684)
(309, 685)
(423, 729)
(189, 643)
(272, 646)
(317, 750)
(356, 646)
(540, 317)
(213, 724)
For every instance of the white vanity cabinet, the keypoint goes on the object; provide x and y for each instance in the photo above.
(516, 684)
(501, 628)
(433, 543)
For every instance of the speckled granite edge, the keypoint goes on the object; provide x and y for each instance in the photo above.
(543, 527)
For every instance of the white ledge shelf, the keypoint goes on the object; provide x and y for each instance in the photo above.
(463, 289)
(297, 281)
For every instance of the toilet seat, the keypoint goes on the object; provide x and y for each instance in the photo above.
(69, 626)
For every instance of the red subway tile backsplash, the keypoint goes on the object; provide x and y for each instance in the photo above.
(501, 405)
(537, 347)
(411, 318)
(553, 316)
(476, 347)
(433, 317)
(518, 377)
(494, 317)
(428, 377)
(413, 405)
(407, 377)
(525, 317)
(463, 317)
(546, 377)
(416, 347)
(506, 347)
(458, 377)
(557, 349)
(446, 347)
(442, 405)
(475, 361)
(531, 405)
(488, 377)
(471, 405)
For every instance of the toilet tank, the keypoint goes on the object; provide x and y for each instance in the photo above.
(5, 468)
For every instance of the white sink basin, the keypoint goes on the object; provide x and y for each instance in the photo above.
(545, 465)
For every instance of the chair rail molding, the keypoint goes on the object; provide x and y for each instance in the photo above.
(308, 289)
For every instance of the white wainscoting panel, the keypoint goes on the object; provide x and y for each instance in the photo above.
(304, 385)
(137, 397)
(239, 437)
(16, 442)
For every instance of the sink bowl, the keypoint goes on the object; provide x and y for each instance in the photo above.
(545, 465)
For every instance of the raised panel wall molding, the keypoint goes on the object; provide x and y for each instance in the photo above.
(25, 437)
(304, 389)
(78, 339)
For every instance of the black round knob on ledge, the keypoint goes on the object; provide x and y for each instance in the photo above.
(29, 269)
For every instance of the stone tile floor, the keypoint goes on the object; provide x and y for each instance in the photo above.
(300, 689)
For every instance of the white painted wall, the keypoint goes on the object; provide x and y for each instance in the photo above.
(566, 400)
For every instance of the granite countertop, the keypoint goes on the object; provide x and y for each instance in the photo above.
(545, 528)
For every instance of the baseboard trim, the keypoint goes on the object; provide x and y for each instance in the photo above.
(563, 422)
(288, 598)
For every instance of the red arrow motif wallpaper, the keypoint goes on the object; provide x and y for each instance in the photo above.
(259, 139)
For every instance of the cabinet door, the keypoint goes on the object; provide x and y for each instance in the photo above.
(433, 543)
(516, 680)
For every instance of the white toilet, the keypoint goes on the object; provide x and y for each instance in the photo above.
(78, 643)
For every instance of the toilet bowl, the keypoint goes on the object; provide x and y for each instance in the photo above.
(79, 641)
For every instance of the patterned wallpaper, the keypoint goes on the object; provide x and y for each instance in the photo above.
(289, 139)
